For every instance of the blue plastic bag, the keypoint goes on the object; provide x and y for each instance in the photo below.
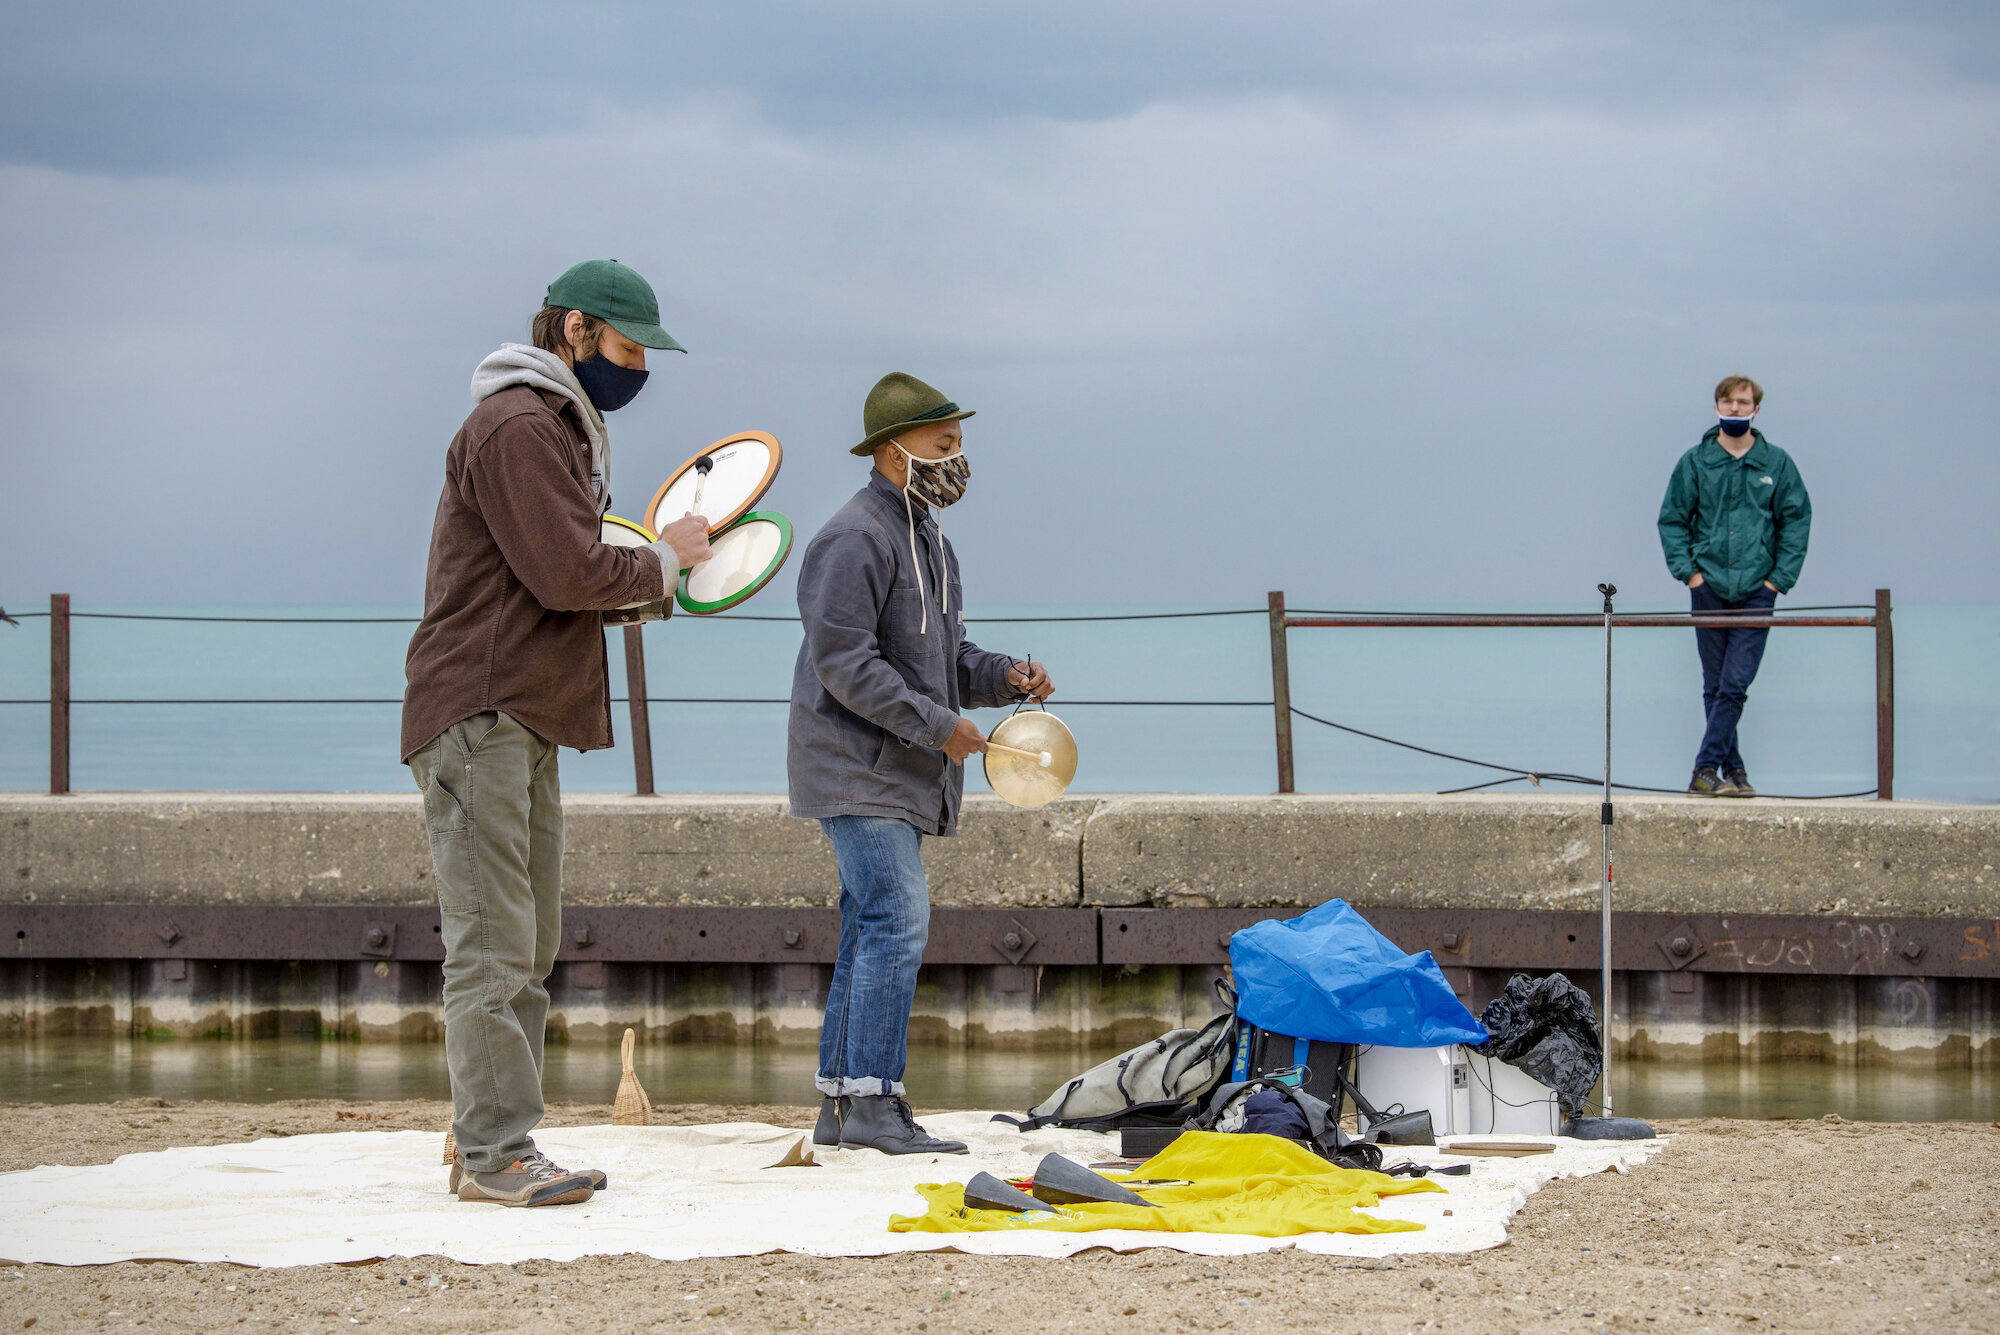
(1328, 975)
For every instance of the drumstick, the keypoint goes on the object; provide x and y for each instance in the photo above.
(1042, 758)
(701, 467)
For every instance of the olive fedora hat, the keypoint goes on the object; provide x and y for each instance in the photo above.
(899, 402)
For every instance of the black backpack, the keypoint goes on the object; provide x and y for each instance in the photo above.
(1323, 1134)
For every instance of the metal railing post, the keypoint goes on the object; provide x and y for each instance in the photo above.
(635, 701)
(1885, 700)
(58, 694)
(1281, 691)
(1604, 819)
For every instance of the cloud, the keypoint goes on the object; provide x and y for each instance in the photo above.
(208, 84)
(1410, 347)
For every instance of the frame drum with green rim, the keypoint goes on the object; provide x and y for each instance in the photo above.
(743, 559)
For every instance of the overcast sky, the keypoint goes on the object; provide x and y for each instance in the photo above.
(1375, 303)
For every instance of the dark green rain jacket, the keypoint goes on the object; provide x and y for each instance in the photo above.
(1738, 521)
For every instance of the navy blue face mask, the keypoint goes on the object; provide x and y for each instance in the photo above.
(1731, 426)
(609, 385)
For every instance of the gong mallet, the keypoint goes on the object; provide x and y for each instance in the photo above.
(1042, 758)
(701, 468)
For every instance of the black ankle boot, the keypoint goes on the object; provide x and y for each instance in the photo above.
(884, 1123)
(1706, 783)
(831, 1110)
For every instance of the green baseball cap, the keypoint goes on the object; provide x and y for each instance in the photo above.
(616, 295)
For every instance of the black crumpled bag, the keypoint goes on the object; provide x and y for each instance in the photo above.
(1548, 1028)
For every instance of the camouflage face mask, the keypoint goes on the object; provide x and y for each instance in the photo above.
(938, 482)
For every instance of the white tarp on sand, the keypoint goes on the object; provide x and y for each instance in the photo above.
(676, 1192)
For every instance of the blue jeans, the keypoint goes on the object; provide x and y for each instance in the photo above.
(1729, 659)
(885, 919)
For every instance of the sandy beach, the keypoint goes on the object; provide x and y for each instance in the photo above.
(1780, 1226)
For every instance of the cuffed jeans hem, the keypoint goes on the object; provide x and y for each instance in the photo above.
(499, 1161)
(867, 1087)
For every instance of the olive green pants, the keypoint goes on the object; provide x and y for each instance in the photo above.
(494, 809)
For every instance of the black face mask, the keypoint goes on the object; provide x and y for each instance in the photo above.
(1734, 426)
(609, 385)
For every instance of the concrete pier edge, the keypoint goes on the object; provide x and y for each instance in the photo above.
(1521, 854)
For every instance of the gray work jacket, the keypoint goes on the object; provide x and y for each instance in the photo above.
(876, 692)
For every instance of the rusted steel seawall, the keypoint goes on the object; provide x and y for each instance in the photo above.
(1851, 931)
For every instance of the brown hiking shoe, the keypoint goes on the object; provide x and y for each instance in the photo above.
(598, 1181)
(529, 1180)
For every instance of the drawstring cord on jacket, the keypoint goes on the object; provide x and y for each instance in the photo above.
(923, 600)
(910, 514)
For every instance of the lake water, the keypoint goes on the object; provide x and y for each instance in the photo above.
(260, 1070)
(1527, 697)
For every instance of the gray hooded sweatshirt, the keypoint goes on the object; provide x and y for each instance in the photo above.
(521, 364)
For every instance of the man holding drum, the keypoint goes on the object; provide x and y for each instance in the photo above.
(876, 742)
(509, 664)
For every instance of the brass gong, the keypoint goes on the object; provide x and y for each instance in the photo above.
(1020, 775)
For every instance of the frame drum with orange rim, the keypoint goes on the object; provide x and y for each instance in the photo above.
(742, 468)
(742, 560)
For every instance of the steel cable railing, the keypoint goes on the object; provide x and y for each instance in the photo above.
(60, 699)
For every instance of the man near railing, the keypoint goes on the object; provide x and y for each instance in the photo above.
(1733, 526)
(876, 745)
(507, 665)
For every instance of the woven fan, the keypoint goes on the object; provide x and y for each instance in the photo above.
(631, 1107)
(450, 1137)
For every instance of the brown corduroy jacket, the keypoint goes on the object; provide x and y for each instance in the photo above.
(518, 581)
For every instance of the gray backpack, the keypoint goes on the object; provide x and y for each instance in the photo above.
(1155, 1084)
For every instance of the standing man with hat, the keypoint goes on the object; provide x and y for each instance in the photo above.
(876, 743)
(509, 664)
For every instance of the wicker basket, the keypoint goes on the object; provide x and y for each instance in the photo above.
(450, 1138)
(631, 1107)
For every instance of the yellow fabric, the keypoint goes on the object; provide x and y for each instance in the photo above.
(1260, 1185)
